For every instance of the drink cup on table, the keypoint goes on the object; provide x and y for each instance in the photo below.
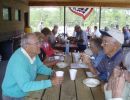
(76, 57)
(73, 73)
(59, 73)
(60, 76)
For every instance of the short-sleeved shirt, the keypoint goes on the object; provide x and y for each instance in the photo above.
(98, 58)
(107, 65)
(49, 51)
(82, 35)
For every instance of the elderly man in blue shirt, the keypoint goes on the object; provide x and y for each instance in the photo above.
(112, 42)
(22, 69)
(118, 86)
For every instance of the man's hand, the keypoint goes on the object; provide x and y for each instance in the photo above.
(56, 81)
(117, 72)
(118, 86)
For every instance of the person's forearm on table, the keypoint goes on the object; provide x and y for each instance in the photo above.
(92, 69)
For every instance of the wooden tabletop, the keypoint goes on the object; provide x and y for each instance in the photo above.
(69, 90)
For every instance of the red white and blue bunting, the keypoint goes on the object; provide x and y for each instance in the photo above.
(81, 11)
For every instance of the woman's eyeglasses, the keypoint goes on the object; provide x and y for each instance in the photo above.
(104, 42)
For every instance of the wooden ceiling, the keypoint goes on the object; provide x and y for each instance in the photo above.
(93, 3)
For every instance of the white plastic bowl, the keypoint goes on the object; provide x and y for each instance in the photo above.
(91, 82)
(62, 64)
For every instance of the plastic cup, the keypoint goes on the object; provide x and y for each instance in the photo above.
(73, 73)
(76, 57)
(59, 73)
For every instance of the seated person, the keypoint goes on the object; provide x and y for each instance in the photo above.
(112, 42)
(95, 46)
(46, 60)
(96, 33)
(46, 47)
(22, 69)
(118, 86)
(42, 54)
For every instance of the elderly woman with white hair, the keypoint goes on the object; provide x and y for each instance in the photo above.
(118, 86)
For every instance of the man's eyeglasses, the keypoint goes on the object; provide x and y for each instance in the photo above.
(36, 43)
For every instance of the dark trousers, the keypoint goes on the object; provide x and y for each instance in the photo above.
(11, 98)
(81, 47)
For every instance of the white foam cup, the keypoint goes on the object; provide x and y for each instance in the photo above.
(73, 73)
(59, 73)
(76, 57)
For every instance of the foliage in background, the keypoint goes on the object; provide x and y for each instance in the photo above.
(55, 15)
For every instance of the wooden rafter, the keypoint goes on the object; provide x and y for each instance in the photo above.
(95, 3)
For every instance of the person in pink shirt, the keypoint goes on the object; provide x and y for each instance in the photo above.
(46, 47)
(42, 54)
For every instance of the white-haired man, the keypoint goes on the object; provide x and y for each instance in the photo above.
(112, 42)
(22, 69)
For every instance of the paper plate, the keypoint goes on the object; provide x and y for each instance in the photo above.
(91, 82)
(90, 74)
(62, 64)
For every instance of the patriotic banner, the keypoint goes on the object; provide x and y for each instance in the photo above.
(81, 11)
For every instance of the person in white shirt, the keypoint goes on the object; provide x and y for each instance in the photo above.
(96, 32)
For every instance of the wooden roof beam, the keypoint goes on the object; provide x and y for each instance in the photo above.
(79, 3)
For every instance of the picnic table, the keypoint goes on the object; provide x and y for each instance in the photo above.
(69, 90)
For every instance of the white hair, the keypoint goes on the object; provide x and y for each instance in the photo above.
(25, 39)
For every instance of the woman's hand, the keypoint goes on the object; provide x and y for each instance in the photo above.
(86, 59)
